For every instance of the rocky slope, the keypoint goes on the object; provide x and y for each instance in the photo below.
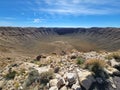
(72, 71)
(51, 39)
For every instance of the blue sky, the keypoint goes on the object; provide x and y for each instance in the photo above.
(60, 13)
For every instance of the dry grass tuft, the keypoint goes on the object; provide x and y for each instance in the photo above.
(115, 55)
(96, 66)
(98, 62)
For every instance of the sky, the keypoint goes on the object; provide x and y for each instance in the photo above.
(60, 13)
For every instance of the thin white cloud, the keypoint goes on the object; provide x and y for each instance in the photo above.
(37, 20)
(78, 7)
(74, 11)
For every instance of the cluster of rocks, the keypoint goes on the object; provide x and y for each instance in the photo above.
(67, 74)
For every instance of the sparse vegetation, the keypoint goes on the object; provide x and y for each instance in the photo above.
(96, 66)
(80, 60)
(46, 76)
(32, 77)
(115, 55)
(10, 75)
(91, 63)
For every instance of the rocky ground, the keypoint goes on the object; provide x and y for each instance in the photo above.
(66, 71)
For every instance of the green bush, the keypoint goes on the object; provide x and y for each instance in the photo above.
(11, 75)
(80, 61)
(32, 77)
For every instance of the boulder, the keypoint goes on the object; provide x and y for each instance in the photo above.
(117, 67)
(117, 82)
(39, 57)
(111, 70)
(117, 73)
(73, 56)
(60, 83)
(56, 70)
(86, 78)
(61, 73)
(57, 76)
(111, 82)
(53, 82)
(113, 63)
(71, 78)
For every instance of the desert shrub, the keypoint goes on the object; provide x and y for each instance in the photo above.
(115, 56)
(46, 76)
(32, 77)
(80, 60)
(10, 75)
(91, 63)
(109, 57)
(97, 67)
